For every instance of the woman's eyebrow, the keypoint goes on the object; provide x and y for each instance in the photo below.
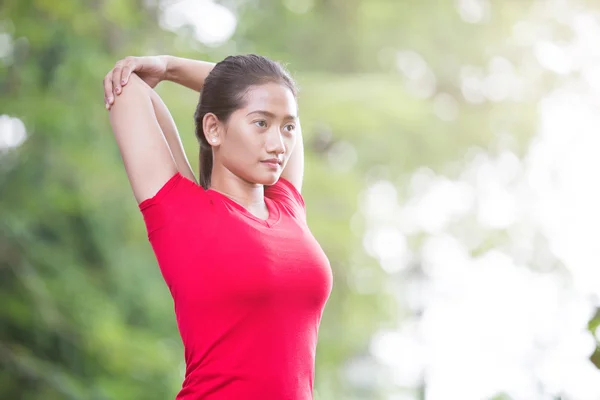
(270, 114)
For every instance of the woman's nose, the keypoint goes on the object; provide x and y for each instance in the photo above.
(276, 143)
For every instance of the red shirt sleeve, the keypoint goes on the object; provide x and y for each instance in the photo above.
(286, 194)
(177, 212)
(174, 203)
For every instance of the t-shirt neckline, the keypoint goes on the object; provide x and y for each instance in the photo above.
(274, 214)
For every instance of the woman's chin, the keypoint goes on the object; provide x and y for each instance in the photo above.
(268, 179)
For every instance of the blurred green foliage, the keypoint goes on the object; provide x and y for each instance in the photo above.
(85, 313)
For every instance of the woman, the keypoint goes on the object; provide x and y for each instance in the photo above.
(248, 279)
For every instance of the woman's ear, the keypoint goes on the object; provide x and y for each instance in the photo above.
(211, 127)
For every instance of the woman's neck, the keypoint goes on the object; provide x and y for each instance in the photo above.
(250, 195)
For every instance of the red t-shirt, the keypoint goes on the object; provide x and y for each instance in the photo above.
(248, 293)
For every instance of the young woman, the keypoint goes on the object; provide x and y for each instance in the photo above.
(248, 279)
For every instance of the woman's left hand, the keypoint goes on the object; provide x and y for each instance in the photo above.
(152, 70)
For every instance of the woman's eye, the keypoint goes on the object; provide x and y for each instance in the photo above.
(261, 124)
(290, 127)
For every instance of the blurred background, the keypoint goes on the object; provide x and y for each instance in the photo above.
(451, 177)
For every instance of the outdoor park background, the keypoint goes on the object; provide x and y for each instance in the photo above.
(451, 177)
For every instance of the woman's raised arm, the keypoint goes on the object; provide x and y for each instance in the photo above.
(187, 72)
(148, 159)
(153, 70)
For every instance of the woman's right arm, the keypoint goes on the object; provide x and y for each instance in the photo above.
(154, 69)
(146, 155)
(187, 72)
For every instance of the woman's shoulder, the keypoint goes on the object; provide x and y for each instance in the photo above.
(177, 190)
(178, 203)
(286, 194)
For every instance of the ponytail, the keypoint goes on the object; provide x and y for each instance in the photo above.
(206, 164)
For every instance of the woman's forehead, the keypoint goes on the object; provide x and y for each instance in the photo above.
(273, 98)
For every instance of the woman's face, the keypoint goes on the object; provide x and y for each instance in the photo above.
(257, 140)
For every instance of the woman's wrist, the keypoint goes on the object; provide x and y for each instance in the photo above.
(169, 66)
(187, 72)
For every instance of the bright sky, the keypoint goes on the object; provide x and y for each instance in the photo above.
(12, 133)
(505, 321)
(212, 23)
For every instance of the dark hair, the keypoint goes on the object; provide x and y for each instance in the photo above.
(224, 92)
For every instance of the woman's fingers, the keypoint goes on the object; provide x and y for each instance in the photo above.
(116, 78)
(108, 90)
(128, 68)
